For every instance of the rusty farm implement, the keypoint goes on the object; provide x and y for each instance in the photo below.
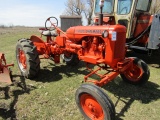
(4, 70)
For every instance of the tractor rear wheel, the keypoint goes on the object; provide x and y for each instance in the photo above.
(94, 104)
(138, 75)
(27, 58)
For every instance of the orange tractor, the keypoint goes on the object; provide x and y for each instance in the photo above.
(103, 46)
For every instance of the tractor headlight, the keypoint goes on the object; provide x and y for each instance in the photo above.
(105, 34)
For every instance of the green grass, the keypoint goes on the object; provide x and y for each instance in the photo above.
(51, 96)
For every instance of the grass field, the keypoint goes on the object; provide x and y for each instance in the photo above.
(51, 96)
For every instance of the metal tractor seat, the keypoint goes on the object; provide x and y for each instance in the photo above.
(49, 33)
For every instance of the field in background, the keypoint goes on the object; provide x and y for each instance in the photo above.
(51, 96)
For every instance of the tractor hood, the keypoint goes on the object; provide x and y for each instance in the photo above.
(78, 32)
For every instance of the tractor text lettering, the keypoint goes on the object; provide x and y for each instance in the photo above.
(90, 31)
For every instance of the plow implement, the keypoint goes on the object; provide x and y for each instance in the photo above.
(5, 73)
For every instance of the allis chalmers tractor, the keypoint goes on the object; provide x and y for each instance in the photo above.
(4, 71)
(103, 46)
(142, 28)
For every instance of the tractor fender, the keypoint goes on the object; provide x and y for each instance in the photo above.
(39, 43)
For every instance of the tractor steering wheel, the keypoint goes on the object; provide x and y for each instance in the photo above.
(51, 23)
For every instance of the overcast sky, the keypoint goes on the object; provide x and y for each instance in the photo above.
(29, 12)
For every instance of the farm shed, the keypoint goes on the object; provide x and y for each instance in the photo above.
(69, 21)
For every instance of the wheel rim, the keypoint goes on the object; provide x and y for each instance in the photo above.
(91, 107)
(22, 59)
(67, 57)
(134, 74)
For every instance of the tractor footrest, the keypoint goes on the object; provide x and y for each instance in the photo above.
(90, 59)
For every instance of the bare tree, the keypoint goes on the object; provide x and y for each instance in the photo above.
(155, 8)
(82, 8)
(74, 7)
(89, 10)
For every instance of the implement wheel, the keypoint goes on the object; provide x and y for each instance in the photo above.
(94, 104)
(27, 58)
(138, 75)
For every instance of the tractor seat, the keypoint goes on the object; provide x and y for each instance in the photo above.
(49, 33)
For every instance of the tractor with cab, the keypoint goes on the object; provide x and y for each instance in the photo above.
(142, 28)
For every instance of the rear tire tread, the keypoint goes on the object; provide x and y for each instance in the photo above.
(32, 58)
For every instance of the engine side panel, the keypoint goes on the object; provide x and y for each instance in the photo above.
(76, 33)
(96, 49)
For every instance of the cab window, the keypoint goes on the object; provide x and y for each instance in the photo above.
(143, 5)
(108, 6)
(124, 7)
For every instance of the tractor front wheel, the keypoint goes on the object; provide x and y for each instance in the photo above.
(138, 74)
(70, 58)
(27, 58)
(94, 104)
